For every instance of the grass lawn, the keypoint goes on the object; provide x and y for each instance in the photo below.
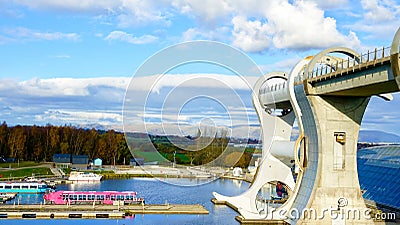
(27, 172)
(21, 164)
(149, 156)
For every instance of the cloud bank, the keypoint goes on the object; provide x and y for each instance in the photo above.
(98, 102)
(253, 26)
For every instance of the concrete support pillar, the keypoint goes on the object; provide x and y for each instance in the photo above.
(336, 196)
(277, 153)
(395, 57)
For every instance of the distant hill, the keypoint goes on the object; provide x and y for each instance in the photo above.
(374, 136)
(371, 136)
(377, 136)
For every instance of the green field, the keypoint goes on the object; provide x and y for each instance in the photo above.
(149, 156)
(26, 172)
(20, 164)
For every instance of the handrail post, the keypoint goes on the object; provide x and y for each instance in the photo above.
(341, 71)
(337, 65)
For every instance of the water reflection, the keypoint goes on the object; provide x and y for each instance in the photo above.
(271, 195)
(155, 192)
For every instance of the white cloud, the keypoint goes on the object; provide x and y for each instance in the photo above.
(143, 12)
(219, 34)
(100, 100)
(126, 12)
(284, 65)
(331, 4)
(71, 5)
(251, 36)
(129, 38)
(62, 56)
(196, 80)
(61, 86)
(81, 117)
(378, 20)
(253, 25)
(205, 11)
(378, 11)
(259, 25)
(303, 26)
(80, 102)
(28, 34)
(4, 39)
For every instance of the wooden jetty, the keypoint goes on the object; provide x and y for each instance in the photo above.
(94, 211)
(6, 197)
(244, 221)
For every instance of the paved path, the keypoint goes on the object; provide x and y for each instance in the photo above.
(134, 209)
(57, 172)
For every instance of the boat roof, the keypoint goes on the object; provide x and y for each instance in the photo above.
(22, 182)
(97, 192)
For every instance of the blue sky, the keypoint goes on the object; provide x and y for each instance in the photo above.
(70, 61)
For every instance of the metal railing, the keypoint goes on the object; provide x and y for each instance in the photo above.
(272, 88)
(339, 65)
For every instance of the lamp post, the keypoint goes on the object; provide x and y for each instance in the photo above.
(173, 165)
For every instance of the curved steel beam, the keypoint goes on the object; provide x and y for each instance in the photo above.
(343, 50)
(297, 70)
(395, 58)
(395, 43)
(271, 168)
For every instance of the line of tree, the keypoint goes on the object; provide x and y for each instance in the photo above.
(39, 143)
(204, 149)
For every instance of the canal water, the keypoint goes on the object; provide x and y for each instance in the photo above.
(154, 191)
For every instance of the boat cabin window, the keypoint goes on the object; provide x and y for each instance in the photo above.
(25, 186)
(17, 187)
(8, 186)
(34, 187)
(112, 197)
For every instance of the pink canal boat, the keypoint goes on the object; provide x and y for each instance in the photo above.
(92, 197)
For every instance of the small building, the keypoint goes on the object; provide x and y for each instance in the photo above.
(64, 160)
(80, 159)
(237, 172)
(136, 162)
(97, 162)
